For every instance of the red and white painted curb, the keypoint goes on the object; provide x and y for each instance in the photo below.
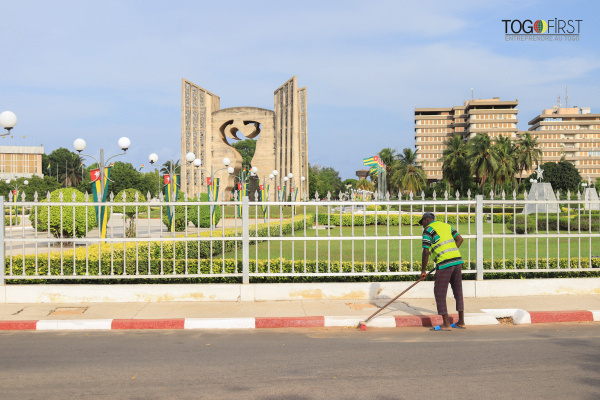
(487, 317)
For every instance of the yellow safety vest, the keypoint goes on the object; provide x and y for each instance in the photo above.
(443, 246)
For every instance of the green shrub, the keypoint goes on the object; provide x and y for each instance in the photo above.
(553, 223)
(145, 255)
(502, 218)
(12, 220)
(204, 216)
(373, 207)
(180, 214)
(130, 211)
(145, 266)
(384, 219)
(85, 216)
(18, 210)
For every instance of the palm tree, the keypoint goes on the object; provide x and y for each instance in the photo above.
(529, 153)
(72, 176)
(389, 157)
(454, 160)
(166, 168)
(364, 184)
(482, 158)
(409, 176)
(506, 161)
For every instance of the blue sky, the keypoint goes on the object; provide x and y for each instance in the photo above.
(105, 69)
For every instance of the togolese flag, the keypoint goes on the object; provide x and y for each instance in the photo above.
(101, 212)
(168, 197)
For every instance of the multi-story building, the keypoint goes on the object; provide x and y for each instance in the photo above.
(20, 161)
(572, 133)
(433, 126)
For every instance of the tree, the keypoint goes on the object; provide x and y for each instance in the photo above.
(67, 165)
(391, 158)
(482, 158)
(529, 155)
(350, 183)
(409, 177)
(149, 183)
(506, 163)
(323, 180)
(246, 148)
(45, 162)
(40, 185)
(166, 168)
(364, 184)
(124, 176)
(455, 168)
(562, 176)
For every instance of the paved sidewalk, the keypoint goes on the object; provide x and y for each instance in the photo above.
(306, 313)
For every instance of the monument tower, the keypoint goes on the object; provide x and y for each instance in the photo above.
(281, 138)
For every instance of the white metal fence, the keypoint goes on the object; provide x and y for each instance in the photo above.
(250, 240)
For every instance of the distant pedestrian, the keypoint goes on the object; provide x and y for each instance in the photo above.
(442, 242)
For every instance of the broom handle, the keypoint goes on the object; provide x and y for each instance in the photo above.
(395, 298)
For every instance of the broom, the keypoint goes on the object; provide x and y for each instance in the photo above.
(363, 324)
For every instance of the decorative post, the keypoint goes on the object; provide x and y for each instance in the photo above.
(479, 233)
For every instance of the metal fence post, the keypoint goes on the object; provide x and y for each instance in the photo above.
(479, 232)
(245, 240)
(2, 252)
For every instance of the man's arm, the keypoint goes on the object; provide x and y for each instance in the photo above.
(424, 262)
(458, 240)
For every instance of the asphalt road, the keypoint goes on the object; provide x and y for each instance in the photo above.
(549, 361)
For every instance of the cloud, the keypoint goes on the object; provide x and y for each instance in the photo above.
(114, 68)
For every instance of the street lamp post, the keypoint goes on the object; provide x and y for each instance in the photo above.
(189, 157)
(8, 120)
(290, 177)
(272, 176)
(80, 145)
(16, 188)
(198, 163)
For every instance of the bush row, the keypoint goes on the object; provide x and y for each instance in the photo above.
(145, 252)
(384, 219)
(12, 221)
(169, 266)
(553, 223)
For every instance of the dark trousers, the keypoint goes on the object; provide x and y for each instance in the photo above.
(453, 276)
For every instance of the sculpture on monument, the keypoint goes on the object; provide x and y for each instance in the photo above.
(541, 191)
(281, 138)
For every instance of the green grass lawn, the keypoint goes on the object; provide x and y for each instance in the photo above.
(371, 250)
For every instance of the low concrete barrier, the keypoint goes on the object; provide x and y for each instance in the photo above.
(287, 291)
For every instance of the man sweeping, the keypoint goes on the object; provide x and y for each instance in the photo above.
(442, 242)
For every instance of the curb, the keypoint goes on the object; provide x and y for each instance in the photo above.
(487, 317)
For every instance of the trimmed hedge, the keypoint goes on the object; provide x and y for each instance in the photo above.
(204, 221)
(12, 221)
(552, 223)
(64, 228)
(229, 266)
(193, 249)
(382, 219)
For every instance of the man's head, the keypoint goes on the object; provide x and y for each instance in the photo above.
(427, 218)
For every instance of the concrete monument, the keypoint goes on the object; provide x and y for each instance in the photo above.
(592, 202)
(541, 191)
(281, 138)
